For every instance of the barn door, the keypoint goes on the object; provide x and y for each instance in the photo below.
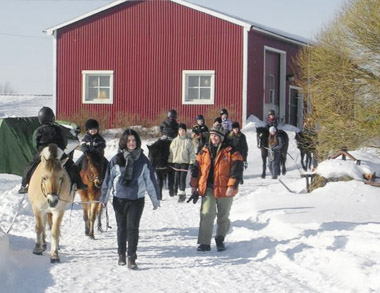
(295, 107)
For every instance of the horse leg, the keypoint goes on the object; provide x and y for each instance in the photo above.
(171, 181)
(264, 154)
(91, 220)
(40, 233)
(283, 163)
(55, 233)
(302, 160)
(160, 182)
(85, 207)
(99, 213)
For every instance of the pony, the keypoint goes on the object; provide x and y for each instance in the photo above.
(307, 148)
(49, 194)
(158, 156)
(262, 134)
(92, 174)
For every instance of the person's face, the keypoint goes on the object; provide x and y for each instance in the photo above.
(235, 130)
(271, 116)
(200, 122)
(224, 116)
(131, 142)
(181, 132)
(215, 139)
(272, 133)
(93, 131)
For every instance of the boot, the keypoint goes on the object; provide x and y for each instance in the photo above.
(73, 171)
(204, 247)
(219, 240)
(132, 262)
(122, 260)
(182, 196)
(23, 189)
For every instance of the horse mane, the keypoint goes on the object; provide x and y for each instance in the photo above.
(159, 152)
(51, 154)
(96, 159)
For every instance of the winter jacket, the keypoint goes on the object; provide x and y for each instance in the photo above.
(226, 167)
(169, 128)
(92, 142)
(239, 142)
(227, 125)
(181, 151)
(143, 180)
(47, 134)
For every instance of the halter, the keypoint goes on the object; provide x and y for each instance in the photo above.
(44, 192)
(91, 176)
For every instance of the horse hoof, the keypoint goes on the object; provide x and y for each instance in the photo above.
(91, 236)
(263, 176)
(37, 250)
(44, 246)
(55, 259)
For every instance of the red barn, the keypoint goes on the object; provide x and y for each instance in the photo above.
(141, 58)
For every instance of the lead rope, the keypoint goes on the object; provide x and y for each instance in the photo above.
(14, 217)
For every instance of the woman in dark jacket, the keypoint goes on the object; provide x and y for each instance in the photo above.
(129, 176)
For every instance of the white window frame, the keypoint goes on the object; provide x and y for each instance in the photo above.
(85, 74)
(186, 74)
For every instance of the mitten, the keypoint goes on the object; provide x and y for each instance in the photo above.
(194, 197)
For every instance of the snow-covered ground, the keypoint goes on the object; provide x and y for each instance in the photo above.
(324, 241)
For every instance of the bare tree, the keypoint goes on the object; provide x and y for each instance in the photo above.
(341, 77)
(6, 89)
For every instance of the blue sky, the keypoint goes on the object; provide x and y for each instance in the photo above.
(26, 53)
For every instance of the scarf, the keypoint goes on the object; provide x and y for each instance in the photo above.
(130, 158)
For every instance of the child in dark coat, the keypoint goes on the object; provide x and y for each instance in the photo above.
(238, 140)
(169, 127)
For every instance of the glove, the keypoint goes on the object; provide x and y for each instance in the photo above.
(194, 197)
(156, 207)
(245, 164)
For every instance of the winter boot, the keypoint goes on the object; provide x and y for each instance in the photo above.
(73, 171)
(204, 247)
(122, 260)
(182, 196)
(219, 240)
(132, 262)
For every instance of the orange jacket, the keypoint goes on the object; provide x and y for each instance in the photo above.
(228, 171)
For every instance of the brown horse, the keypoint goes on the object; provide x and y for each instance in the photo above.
(49, 194)
(92, 175)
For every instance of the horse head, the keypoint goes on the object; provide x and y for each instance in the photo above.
(159, 153)
(262, 134)
(93, 168)
(52, 173)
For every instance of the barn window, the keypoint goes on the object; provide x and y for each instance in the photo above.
(97, 87)
(198, 86)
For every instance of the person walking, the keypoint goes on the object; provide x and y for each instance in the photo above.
(169, 127)
(226, 122)
(275, 144)
(128, 177)
(216, 174)
(238, 140)
(181, 156)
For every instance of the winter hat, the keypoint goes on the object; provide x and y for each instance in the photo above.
(272, 129)
(182, 126)
(218, 130)
(235, 124)
(223, 111)
(92, 124)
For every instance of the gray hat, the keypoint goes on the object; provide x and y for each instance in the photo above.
(218, 130)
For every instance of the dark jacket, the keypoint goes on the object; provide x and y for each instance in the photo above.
(169, 128)
(90, 143)
(239, 142)
(47, 134)
(142, 181)
(200, 136)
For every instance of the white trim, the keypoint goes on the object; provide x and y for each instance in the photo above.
(55, 73)
(245, 77)
(279, 36)
(98, 73)
(282, 86)
(212, 87)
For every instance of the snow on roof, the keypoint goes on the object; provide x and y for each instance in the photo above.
(247, 24)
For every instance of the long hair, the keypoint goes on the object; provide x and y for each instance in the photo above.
(124, 137)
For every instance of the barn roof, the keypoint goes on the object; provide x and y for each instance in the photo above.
(247, 24)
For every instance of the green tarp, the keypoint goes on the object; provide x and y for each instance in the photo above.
(16, 146)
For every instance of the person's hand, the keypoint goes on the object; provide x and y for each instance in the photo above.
(194, 197)
(104, 204)
(245, 164)
(156, 207)
(230, 191)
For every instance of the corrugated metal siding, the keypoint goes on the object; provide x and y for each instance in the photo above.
(147, 45)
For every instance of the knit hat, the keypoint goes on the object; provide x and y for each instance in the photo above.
(272, 129)
(235, 124)
(223, 111)
(218, 130)
(182, 126)
(92, 124)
